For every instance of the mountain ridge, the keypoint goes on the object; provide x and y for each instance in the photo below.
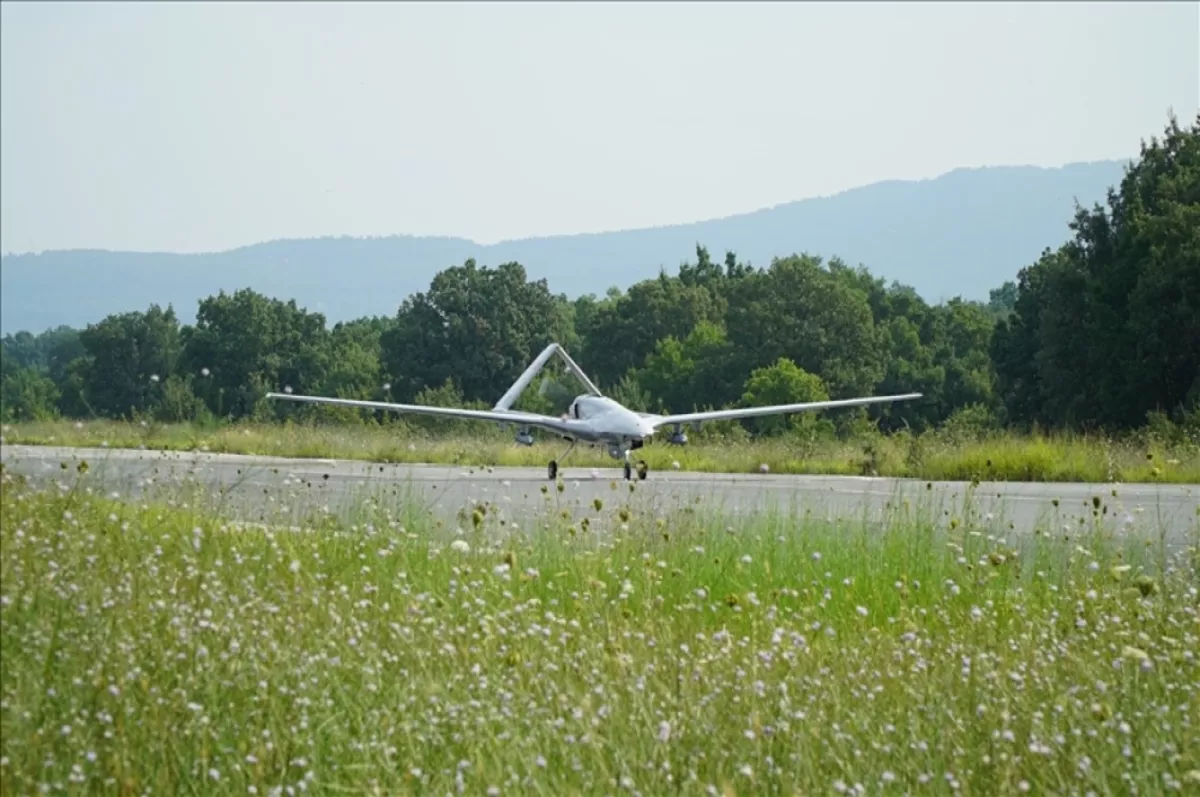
(959, 233)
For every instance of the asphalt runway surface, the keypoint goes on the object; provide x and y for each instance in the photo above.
(286, 490)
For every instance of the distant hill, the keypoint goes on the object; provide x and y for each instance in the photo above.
(962, 233)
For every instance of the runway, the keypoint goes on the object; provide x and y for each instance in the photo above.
(288, 490)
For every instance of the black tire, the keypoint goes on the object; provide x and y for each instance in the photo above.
(643, 470)
(552, 471)
(628, 471)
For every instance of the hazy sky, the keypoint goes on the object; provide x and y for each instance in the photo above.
(204, 127)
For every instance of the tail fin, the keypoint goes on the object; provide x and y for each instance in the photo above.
(509, 398)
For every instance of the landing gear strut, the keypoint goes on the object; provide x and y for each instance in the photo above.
(642, 468)
(552, 471)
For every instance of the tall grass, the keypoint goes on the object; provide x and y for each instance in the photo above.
(157, 646)
(1003, 457)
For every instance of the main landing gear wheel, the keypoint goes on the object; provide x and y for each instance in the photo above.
(552, 471)
(642, 470)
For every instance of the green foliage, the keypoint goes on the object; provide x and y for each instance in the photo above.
(244, 345)
(631, 394)
(447, 394)
(1182, 432)
(626, 329)
(178, 402)
(1107, 328)
(962, 355)
(479, 326)
(971, 423)
(26, 395)
(1002, 300)
(786, 383)
(1099, 335)
(49, 351)
(797, 309)
(701, 367)
(127, 357)
(355, 370)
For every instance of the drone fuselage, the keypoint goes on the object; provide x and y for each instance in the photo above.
(599, 420)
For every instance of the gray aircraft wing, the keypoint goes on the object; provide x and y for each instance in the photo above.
(776, 409)
(538, 420)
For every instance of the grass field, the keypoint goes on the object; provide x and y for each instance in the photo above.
(937, 456)
(156, 647)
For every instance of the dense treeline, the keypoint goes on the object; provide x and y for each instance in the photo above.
(1103, 333)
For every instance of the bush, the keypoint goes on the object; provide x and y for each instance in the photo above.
(26, 395)
(972, 423)
(179, 402)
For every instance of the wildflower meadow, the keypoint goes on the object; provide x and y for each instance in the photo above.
(155, 646)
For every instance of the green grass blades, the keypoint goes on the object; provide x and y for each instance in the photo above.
(933, 455)
(151, 648)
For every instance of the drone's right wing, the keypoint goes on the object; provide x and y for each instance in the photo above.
(777, 409)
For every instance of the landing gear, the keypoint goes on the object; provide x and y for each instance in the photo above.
(552, 471)
(616, 451)
(642, 469)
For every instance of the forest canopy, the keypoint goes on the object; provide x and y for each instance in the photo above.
(1099, 334)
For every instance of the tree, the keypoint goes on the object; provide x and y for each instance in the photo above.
(51, 355)
(1158, 212)
(961, 354)
(911, 368)
(54, 347)
(127, 358)
(1002, 300)
(355, 365)
(244, 345)
(783, 382)
(1107, 328)
(626, 330)
(25, 393)
(682, 376)
(480, 326)
(800, 311)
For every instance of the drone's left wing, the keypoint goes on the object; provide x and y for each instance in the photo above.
(547, 422)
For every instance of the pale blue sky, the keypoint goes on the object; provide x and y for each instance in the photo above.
(204, 127)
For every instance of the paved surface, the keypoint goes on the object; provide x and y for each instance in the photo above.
(276, 489)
